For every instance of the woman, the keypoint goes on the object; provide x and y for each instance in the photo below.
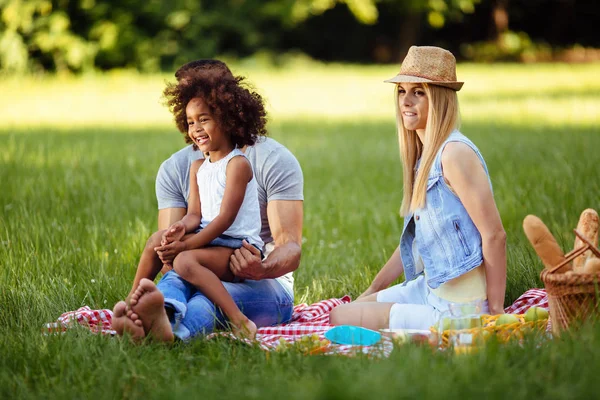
(453, 245)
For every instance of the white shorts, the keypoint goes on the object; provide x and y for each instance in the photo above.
(416, 306)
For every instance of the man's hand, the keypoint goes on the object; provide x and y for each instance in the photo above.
(246, 263)
(168, 252)
(173, 233)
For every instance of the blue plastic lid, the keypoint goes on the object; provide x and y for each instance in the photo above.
(352, 335)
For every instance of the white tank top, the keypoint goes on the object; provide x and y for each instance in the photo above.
(211, 179)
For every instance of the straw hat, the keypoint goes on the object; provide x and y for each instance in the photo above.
(428, 64)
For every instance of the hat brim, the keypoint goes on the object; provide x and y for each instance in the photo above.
(417, 79)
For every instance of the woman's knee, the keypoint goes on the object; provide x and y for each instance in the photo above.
(336, 316)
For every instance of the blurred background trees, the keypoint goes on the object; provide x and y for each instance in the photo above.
(153, 35)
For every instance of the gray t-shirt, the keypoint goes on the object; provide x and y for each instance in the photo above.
(276, 170)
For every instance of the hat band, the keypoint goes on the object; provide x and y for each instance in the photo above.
(424, 77)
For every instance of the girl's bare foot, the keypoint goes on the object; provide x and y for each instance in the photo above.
(123, 324)
(244, 329)
(148, 305)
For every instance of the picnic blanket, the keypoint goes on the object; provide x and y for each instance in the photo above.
(306, 320)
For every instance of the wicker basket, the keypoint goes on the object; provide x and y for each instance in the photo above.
(503, 333)
(572, 298)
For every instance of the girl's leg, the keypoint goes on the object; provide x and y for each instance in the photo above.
(205, 268)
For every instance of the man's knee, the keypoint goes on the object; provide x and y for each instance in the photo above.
(154, 240)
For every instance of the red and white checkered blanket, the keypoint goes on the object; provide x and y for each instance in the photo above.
(306, 320)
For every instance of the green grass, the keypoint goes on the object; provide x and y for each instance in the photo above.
(78, 159)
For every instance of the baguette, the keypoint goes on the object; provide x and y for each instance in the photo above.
(592, 266)
(544, 243)
(588, 227)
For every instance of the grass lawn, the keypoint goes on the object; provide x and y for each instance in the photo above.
(78, 159)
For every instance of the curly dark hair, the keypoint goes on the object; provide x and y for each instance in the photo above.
(238, 110)
(205, 63)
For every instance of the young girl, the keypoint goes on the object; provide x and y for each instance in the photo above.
(452, 248)
(219, 115)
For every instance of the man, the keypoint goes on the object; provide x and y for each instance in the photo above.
(175, 308)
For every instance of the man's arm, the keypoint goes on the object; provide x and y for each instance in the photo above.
(168, 216)
(171, 200)
(285, 220)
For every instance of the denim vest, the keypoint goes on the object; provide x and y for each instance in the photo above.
(447, 240)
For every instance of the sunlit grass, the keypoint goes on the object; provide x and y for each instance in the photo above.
(78, 158)
(549, 94)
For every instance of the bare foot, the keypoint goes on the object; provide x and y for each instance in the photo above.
(148, 305)
(244, 329)
(123, 324)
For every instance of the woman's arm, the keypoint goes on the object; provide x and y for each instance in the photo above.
(392, 269)
(465, 174)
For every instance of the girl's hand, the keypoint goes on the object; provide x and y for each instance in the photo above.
(173, 233)
(168, 252)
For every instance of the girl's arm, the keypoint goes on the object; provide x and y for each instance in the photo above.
(465, 174)
(239, 173)
(392, 269)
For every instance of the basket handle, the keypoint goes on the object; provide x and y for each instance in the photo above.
(576, 252)
(588, 243)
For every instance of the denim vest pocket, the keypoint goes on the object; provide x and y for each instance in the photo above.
(461, 237)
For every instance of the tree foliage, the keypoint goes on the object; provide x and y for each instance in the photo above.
(150, 35)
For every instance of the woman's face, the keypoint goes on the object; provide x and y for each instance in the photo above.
(202, 126)
(414, 105)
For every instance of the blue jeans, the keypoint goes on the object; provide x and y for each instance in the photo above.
(266, 302)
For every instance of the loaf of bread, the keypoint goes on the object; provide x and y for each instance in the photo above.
(544, 243)
(592, 266)
(588, 227)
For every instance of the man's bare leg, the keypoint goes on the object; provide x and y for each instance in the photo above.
(148, 305)
(123, 324)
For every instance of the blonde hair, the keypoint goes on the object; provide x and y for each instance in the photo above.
(442, 118)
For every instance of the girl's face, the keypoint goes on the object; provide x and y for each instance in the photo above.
(202, 127)
(414, 106)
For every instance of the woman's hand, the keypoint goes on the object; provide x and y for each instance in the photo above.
(173, 233)
(366, 293)
(168, 252)
(496, 310)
